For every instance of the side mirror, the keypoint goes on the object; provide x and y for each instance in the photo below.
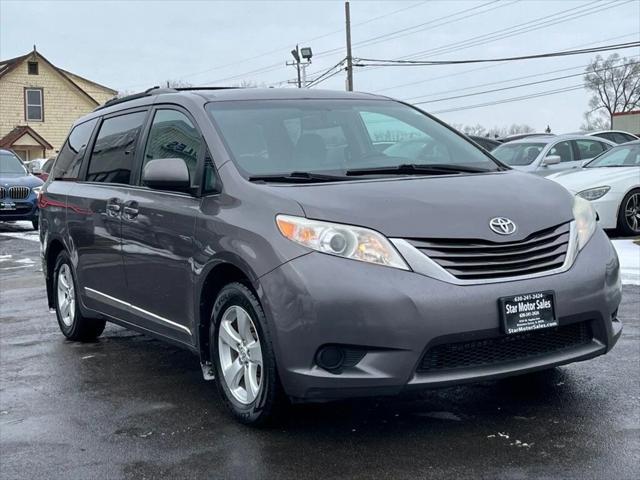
(551, 160)
(167, 174)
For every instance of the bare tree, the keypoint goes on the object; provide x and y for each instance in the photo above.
(615, 86)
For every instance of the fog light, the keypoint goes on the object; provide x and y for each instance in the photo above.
(330, 358)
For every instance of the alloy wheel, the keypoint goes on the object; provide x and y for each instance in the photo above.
(632, 212)
(66, 295)
(240, 354)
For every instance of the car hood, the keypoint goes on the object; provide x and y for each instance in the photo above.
(452, 206)
(11, 179)
(578, 180)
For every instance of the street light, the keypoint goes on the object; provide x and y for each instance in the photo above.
(301, 66)
(306, 53)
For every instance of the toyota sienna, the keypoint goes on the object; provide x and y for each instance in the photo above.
(269, 232)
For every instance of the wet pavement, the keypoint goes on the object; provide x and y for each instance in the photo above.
(130, 406)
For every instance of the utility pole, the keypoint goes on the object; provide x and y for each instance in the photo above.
(347, 14)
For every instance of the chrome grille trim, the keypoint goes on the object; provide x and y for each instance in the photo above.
(555, 256)
(3, 192)
(19, 192)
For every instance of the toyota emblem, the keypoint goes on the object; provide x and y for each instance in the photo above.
(502, 226)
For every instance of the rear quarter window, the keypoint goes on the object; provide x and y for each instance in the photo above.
(67, 164)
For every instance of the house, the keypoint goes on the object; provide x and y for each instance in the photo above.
(39, 102)
(627, 122)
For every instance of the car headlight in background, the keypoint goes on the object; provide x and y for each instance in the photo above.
(341, 240)
(585, 218)
(594, 193)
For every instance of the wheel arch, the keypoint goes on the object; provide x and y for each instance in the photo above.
(219, 272)
(51, 254)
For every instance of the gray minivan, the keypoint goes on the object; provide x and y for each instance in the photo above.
(264, 231)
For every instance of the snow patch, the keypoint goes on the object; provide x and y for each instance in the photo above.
(629, 255)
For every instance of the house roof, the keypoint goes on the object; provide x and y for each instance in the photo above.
(20, 131)
(7, 66)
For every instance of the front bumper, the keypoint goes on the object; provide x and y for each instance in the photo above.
(396, 316)
(26, 209)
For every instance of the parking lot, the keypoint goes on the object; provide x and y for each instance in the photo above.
(129, 406)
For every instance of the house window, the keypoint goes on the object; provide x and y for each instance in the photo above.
(32, 68)
(33, 108)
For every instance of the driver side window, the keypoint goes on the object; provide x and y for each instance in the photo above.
(563, 150)
(173, 135)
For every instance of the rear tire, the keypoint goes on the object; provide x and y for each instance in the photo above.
(250, 389)
(629, 213)
(72, 323)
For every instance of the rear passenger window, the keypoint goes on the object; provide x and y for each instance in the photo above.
(67, 165)
(589, 148)
(173, 135)
(114, 151)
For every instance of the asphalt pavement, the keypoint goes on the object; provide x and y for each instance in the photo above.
(133, 407)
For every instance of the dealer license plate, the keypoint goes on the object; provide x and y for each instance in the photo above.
(530, 311)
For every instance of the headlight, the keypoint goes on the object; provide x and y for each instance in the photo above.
(585, 218)
(341, 240)
(594, 193)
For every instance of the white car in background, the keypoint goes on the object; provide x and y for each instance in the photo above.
(611, 182)
(546, 155)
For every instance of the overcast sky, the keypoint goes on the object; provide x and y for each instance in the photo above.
(136, 44)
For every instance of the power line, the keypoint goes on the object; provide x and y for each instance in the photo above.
(486, 67)
(327, 74)
(513, 99)
(396, 63)
(511, 31)
(505, 81)
(325, 53)
(279, 50)
(403, 32)
(515, 86)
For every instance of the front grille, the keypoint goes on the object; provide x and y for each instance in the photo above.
(3, 192)
(19, 193)
(507, 348)
(484, 259)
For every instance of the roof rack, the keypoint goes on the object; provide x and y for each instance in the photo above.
(155, 91)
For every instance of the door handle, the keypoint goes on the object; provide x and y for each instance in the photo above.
(131, 210)
(113, 207)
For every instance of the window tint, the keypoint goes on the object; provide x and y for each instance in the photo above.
(33, 108)
(622, 137)
(67, 165)
(173, 135)
(606, 136)
(589, 149)
(564, 150)
(114, 150)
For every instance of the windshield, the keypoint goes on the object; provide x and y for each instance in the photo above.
(333, 137)
(518, 154)
(622, 156)
(9, 163)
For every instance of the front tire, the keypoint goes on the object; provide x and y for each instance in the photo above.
(35, 223)
(629, 213)
(72, 323)
(243, 357)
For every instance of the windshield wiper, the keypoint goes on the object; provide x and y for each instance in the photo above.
(297, 177)
(415, 169)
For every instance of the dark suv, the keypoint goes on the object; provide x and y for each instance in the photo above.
(263, 230)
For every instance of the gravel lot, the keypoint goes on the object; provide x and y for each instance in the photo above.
(132, 407)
